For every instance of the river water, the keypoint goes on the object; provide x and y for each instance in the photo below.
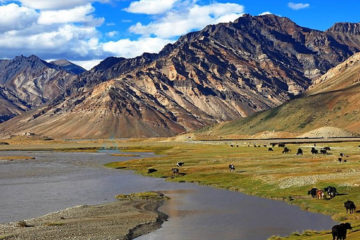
(57, 180)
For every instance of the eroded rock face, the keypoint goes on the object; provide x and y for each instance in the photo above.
(28, 82)
(224, 72)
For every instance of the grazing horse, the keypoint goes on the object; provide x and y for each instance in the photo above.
(175, 171)
(320, 194)
(350, 206)
(339, 231)
(312, 192)
(180, 164)
(331, 191)
(231, 167)
(299, 151)
(286, 150)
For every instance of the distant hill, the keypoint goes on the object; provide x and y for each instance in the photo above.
(68, 66)
(332, 101)
(223, 72)
(28, 82)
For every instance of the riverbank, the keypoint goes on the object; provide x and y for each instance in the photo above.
(264, 173)
(129, 217)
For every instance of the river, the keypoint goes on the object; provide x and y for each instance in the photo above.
(57, 180)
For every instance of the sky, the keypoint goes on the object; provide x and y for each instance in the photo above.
(87, 31)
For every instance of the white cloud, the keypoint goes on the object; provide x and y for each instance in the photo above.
(65, 41)
(74, 15)
(14, 17)
(56, 4)
(69, 33)
(150, 6)
(194, 17)
(88, 64)
(112, 33)
(298, 6)
(129, 48)
(265, 13)
(54, 29)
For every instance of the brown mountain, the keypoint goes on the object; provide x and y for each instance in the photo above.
(28, 82)
(330, 107)
(224, 72)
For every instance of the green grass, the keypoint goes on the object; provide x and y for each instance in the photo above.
(142, 196)
(258, 172)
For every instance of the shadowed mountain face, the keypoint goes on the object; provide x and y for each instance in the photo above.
(224, 72)
(332, 101)
(28, 82)
(68, 66)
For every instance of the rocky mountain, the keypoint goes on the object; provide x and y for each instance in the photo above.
(68, 66)
(28, 82)
(333, 101)
(223, 72)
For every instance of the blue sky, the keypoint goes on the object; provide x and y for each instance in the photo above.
(87, 31)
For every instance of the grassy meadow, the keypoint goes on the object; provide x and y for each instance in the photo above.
(263, 173)
(259, 172)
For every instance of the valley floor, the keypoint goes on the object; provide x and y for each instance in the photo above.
(269, 174)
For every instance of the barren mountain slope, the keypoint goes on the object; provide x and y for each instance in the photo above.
(333, 101)
(224, 72)
(28, 82)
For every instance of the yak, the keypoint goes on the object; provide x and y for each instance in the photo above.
(339, 231)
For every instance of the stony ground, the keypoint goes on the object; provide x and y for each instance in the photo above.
(121, 220)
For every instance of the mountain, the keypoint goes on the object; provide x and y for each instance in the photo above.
(333, 101)
(68, 66)
(10, 105)
(28, 82)
(223, 72)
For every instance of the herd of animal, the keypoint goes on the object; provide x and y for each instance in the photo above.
(338, 231)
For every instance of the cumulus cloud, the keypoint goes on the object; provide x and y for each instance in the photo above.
(194, 17)
(112, 33)
(14, 17)
(74, 15)
(69, 29)
(298, 6)
(133, 48)
(150, 6)
(65, 40)
(67, 33)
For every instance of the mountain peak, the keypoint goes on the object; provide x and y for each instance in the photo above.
(346, 27)
(68, 66)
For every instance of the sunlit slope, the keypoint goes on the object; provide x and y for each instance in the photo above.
(337, 109)
(342, 76)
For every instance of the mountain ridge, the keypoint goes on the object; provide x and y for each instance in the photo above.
(332, 101)
(28, 82)
(223, 72)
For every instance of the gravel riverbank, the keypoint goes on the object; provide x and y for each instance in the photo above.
(123, 220)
